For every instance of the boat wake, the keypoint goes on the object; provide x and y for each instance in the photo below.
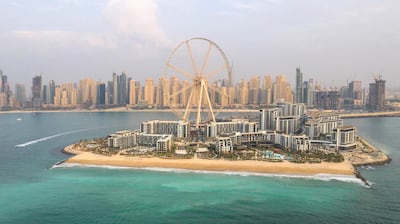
(321, 176)
(50, 137)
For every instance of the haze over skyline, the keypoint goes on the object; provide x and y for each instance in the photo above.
(332, 41)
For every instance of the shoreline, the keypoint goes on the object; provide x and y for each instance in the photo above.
(246, 166)
(369, 156)
(129, 110)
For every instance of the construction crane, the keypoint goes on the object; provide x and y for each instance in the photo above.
(377, 77)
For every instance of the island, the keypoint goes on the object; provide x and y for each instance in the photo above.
(285, 140)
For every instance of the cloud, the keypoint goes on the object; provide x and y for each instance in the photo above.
(226, 13)
(241, 7)
(62, 38)
(136, 19)
(365, 12)
(251, 5)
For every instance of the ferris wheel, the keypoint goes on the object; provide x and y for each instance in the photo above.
(205, 61)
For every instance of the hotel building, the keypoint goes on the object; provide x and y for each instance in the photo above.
(224, 144)
(321, 123)
(345, 137)
(161, 142)
(268, 118)
(122, 139)
(236, 125)
(179, 129)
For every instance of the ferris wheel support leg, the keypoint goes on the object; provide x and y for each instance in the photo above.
(203, 84)
(187, 111)
(199, 107)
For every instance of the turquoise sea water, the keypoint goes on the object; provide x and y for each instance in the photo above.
(31, 191)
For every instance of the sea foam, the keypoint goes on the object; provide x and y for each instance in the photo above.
(321, 176)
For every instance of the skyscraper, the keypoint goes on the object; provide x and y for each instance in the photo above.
(20, 94)
(51, 91)
(281, 90)
(64, 97)
(87, 92)
(266, 90)
(68, 91)
(327, 100)
(122, 86)
(1, 81)
(109, 93)
(162, 96)
(184, 96)
(115, 89)
(174, 88)
(308, 93)
(44, 94)
(138, 92)
(57, 96)
(299, 86)
(149, 91)
(37, 91)
(132, 93)
(214, 97)
(377, 94)
(243, 97)
(128, 91)
(224, 96)
(254, 90)
(5, 91)
(101, 94)
(355, 91)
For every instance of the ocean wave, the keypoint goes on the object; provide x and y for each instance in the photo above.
(368, 167)
(50, 137)
(321, 176)
(69, 165)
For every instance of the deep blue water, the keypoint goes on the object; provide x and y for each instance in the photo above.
(32, 192)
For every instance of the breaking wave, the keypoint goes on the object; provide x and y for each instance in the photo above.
(321, 176)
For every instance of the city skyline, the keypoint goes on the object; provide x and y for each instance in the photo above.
(174, 92)
(90, 39)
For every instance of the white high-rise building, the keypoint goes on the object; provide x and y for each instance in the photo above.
(268, 118)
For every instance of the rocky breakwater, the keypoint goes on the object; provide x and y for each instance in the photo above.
(366, 154)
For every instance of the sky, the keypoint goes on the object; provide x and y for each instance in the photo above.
(333, 41)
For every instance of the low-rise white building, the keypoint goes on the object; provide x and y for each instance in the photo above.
(288, 124)
(179, 129)
(224, 144)
(228, 127)
(164, 143)
(345, 137)
(300, 143)
(267, 118)
(321, 123)
(122, 139)
(160, 141)
(293, 142)
(240, 138)
(312, 129)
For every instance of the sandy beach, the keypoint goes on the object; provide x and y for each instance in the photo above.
(285, 167)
